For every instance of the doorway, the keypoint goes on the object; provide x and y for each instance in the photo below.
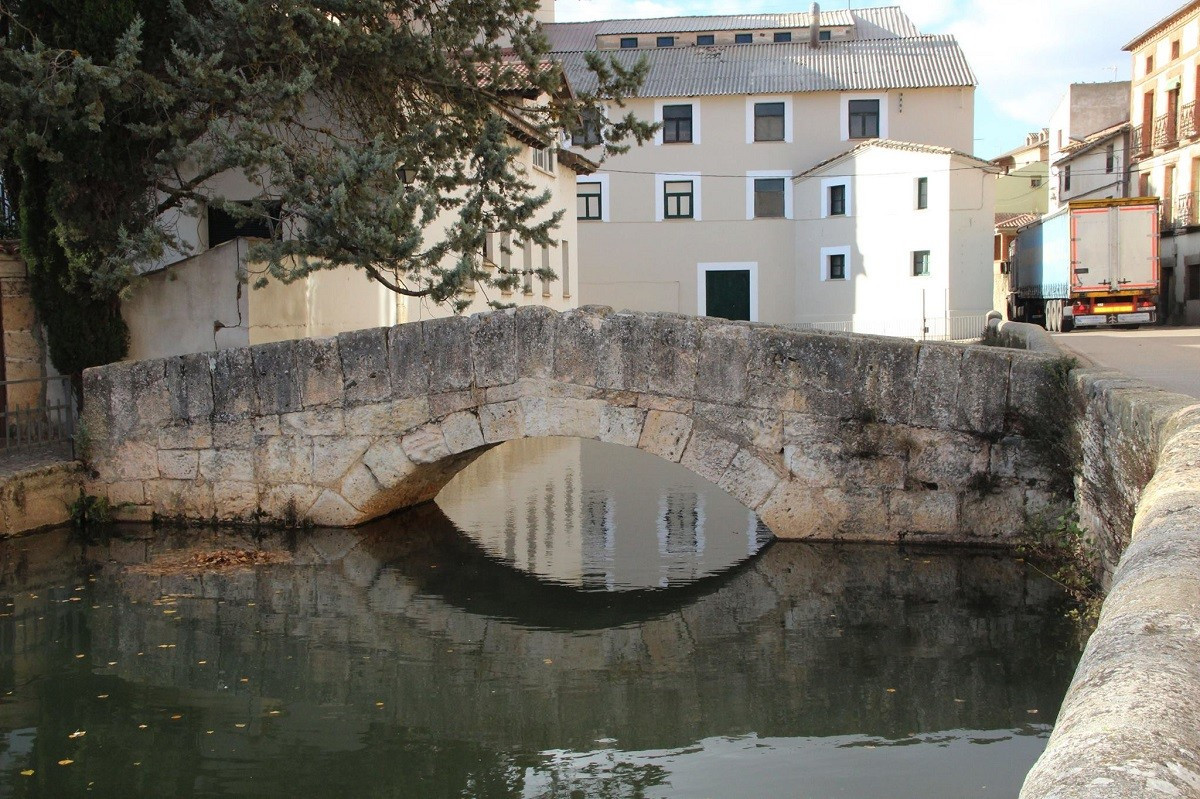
(729, 291)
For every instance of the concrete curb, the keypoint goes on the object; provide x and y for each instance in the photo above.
(1129, 727)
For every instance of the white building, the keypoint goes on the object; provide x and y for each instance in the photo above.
(707, 218)
(1094, 168)
(1085, 112)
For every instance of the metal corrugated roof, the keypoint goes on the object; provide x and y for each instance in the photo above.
(882, 23)
(727, 22)
(572, 35)
(874, 65)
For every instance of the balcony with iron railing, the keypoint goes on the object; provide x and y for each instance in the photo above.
(1165, 134)
(1186, 210)
(1138, 143)
(1188, 127)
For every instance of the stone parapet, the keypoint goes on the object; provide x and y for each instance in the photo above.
(1129, 727)
(826, 436)
(38, 497)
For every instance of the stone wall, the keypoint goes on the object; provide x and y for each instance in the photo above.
(38, 497)
(1130, 724)
(829, 436)
(24, 353)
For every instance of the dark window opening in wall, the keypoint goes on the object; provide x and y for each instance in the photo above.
(1149, 64)
(590, 199)
(1035, 183)
(864, 119)
(920, 263)
(706, 38)
(922, 193)
(743, 38)
(824, 36)
(677, 199)
(1191, 286)
(665, 41)
(1066, 178)
(768, 122)
(783, 36)
(1175, 49)
(224, 226)
(1144, 184)
(628, 42)
(587, 132)
(837, 266)
(677, 123)
(837, 200)
(769, 198)
(1110, 158)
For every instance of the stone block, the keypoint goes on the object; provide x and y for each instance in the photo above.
(334, 455)
(447, 344)
(187, 435)
(233, 384)
(426, 444)
(176, 464)
(265, 426)
(462, 432)
(555, 416)
(365, 375)
(453, 401)
(126, 492)
(665, 434)
(924, 513)
(983, 390)
(723, 359)
(233, 434)
(407, 364)
(332, 510)
(578, 340)
(1029, 382)
(494, 348)
(761, 429)
(133, 460)
(945, 459)
(619, 425)
(235, 501)
(748, 479)
(502, 421)
(19, 313)
(190, 387)
(20, 345)
(935, 391)
(389, 461)
(629, 344)
(535, 339)
(319, 371)
(708, 454)
(387, 419)
(325, 421)
(133, 514)
(149, 393)
(227, 465)
(359, 487)
(288, 504)
(284, 460)
(1020, 458)
(276, 383)
(993, 518)
(180, 498)
(797, 511)
(886, 370)
(673, 355)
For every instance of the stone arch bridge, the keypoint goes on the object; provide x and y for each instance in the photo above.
(831, 436)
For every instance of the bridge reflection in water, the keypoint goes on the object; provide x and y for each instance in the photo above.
(403, 659)
(599, 516)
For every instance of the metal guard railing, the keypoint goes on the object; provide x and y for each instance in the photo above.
(955, 328)
(37, 412)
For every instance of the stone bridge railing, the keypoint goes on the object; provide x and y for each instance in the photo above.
(825, 435)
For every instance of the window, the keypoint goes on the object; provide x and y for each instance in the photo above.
(837, 266)
(728, 290)
(1149, 64)
(837, 199)
(1175, 49)
(824, 36)
(864, 119)
(665, 41)
(769, 198)
(677, 199)
(587, 133)
(543, 158)
(677, 123)
(1110, 157)
(768, 122)
(783, 36)
(628, 42)
(922, 193)
(706, 38)
(1066, 178)
(920, 263)
(743, 38)
(590, 199)
(225, 226)
(1035, 183)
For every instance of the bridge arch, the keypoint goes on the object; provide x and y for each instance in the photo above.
(823, 435)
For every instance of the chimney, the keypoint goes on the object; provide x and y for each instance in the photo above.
(814, 26)
(545, 11)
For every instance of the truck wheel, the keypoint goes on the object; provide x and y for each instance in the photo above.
(1068, 324)
(1053, 315)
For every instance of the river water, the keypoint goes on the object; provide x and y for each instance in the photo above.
(567, 621)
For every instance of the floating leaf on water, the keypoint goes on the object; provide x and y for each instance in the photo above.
(27, 772)
(891, 690)
(112, 662)
(201, 662)
(960, 701)
(143, 726)
(547, 661)
(245, 679)
(240, 724)
(80, 656)
(209, 732)
(273, 713)
(66, 761)
(77, 734)
(176, 717)
(379, 704)
(169, 611)
(1034, 710)
(102, 696)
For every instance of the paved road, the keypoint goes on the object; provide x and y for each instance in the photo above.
(1168, 357)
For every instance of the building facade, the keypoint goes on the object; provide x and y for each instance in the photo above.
(708, 218)
(1022, 187)
(1165, 149)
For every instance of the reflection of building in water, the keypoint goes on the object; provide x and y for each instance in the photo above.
(583, 512)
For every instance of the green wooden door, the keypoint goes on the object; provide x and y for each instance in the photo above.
(727, 293)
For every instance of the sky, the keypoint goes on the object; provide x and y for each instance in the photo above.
(1024, 52)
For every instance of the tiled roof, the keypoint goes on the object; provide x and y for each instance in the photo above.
(1011, 221)
(1162, 25)
(1099, 137)
(860, 65)
(904, 146)
(731, 22)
